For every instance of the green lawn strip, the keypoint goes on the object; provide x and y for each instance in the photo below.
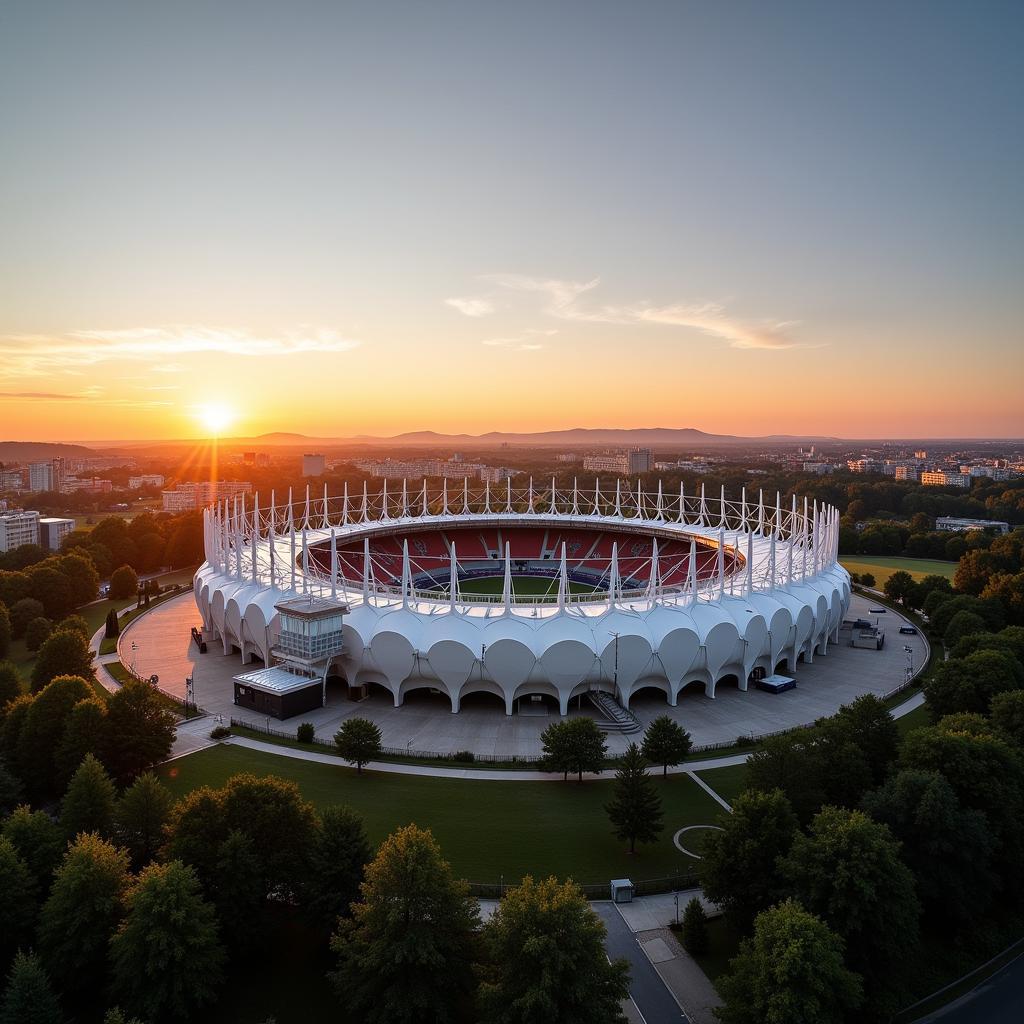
(883, 566)
(486, 829)
(727, 782)
(913, 720)
(723, 944)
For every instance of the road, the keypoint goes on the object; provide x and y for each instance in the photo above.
(1000, 1000)
(654, 1001)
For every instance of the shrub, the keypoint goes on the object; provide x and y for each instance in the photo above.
(22, 613)
(124, 582)
(112, 628)
(37, 632)
(220, 732)
(464, 755)
(695, 928)
(306, 732)
(867, 579)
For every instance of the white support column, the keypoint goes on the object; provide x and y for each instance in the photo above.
(771, 562)
(659, 512)
(654, 581)
(406, 574)
(226, 538)
(344, 506)
(760, 512)
(327, 521)
(789, 546)
(487, 497)
(721, 518)
(291, 531)
(305, 518)
(721, 562)
(366, 569)
(702, 519)
(554, 511)
(365, 517)
(506, 587)
(272, 541)
(453, 580)
(444, 496)
(778, 515)
(305, 562)
(508, 499)
(814, 540)
(425, 504)
(384, 500)
(291, 509)
(597, 495)
(334, 565)
(750, 562)
(803, 544)
(575, 498)
(465, 495)
(639, 499)
(743, 510)
(273, 509)
(563, 580)
(618, 498)
(237, 531)
(405, 499)
(682, 504)
(614, 582)
(691, 575)
(529, 506)
(254, 536)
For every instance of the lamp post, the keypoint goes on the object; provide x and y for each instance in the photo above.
(909, 651)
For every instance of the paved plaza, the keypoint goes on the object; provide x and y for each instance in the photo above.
(158, 643)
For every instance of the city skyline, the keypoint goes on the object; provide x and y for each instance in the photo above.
(335, 222)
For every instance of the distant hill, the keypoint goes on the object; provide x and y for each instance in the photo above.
(38, 451)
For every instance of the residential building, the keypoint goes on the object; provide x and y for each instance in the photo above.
(314, 464)
(942, 478)
(72, 484)
(46, 476)
(52, 531)
(954, 524)
(188, 496)
(625, 463)
(10, 479)
(818, 468)
(496, 474)
(921, 453)
(146, 480)
(17, 528)
(907, 473)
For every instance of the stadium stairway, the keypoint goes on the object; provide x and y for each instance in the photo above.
(616, 718)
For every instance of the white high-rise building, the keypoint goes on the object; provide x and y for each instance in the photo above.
(18, 528)
(46, 476)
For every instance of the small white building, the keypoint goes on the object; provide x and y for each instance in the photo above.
(52, 531)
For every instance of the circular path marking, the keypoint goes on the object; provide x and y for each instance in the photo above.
(692, 828)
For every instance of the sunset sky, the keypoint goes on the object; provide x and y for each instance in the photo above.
(342, 218)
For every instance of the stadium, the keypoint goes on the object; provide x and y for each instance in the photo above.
(535, 594)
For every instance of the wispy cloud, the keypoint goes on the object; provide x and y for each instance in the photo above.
(33, 355)
(91, 395)
(561, 299)
(471, 306)
(523, 342)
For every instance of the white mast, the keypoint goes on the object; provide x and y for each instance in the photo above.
(366, 505)
(614, 582)
(406, 574)
(618, 497)
(254, 536)
(682, 503)
(291, 530)
(444, 496)
(305, 521)
(327, 521)
(575, 498)
(366, 569)
(721, 562)
(653, 582)
(553, 509)
(334, 565)
(750, 562)
(344, 507)
(506, 588)
(563, 580)
(691, 574)
(465, 495)
(453, 580)
(384, 500)
(305, 562)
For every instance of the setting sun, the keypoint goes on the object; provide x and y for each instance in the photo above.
(216, 416)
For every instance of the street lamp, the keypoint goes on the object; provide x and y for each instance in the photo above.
(910, 662)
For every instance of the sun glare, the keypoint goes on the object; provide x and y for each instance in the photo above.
(216, 417)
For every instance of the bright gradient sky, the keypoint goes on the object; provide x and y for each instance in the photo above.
(344, 218)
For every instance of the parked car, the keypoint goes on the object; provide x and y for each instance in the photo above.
(879, 611)
(908, 630)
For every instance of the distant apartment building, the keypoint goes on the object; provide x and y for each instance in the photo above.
(52, 531)
(94, 484)
(146, 480)
(921, 453)
(637, 460)
(862, 465)
(953, 524)
(817, 468)
(496, 474)
(46, 476)
(18, 528)
(942, 478)
(907, 473)
(188, 496)
(992, 472)
(567, 457)
(314, 464)
(10, 479)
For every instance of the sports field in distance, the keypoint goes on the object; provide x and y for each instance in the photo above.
(883, 566)
(486, 829)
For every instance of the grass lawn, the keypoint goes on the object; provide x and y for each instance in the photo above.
(486, 829)
(883, 566)
(913, 720)
(727, 782)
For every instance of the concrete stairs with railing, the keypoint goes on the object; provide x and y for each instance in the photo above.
(615, 718)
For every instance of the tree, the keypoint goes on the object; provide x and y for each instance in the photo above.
(124, 582)
(23, 612)
(635, 809)
(77, 623)
(111, 627)
(89, 803)
(82, 912)
(932, 602)
(738, 866)
(573, 745)
(237, 891)
(963, 624)
(948, 848)
(969, 684)
(406, 954)
(547, 960)
(1009, 589)
(38, 841)
(29, 997)
(84, 733)
(141, 817)
(196, 830)
(5, 630)
(17, 902)
(11, 790)
(867, 723)
(10, 683)
(794, 764)
(790, 971)
(339, 857)
(695, 928)
(847, 868)
(37, 632)
(169, 930)
(899, 586)
(42, 731)
(140, 731)
(65, 653)
(666, 743)
(358, 741)
(1007, 716)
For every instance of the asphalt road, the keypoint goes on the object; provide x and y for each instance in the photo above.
(654, 1001)
(1000, 1000)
